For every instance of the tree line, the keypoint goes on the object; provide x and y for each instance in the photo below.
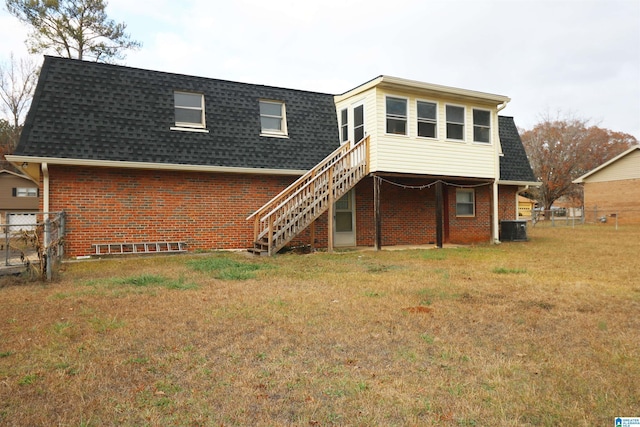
(560, 149)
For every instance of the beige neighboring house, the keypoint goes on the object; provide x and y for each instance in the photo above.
(612, 190)
(18, 198)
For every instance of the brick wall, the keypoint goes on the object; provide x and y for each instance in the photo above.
(621, 198)
(209, 211)
(408, 215)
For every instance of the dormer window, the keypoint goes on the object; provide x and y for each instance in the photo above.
(273, 119)
(189, 109)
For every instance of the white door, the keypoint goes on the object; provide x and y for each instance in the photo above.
(344, 221)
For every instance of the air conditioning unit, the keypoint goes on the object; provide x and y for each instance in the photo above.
(513, 231)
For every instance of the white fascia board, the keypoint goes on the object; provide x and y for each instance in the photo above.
(520, 183)
(396, 82)
(581, 179)
(16, 160)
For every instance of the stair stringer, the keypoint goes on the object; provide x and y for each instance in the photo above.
(294, 209)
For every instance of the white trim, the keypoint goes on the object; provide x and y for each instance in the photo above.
(189, 129)
(520, 183)
(425, 88)
(203, 120)
(283, 118)
(429, 101)
(156, 166)
(406, 117)
(604, 165)
(464, 123)
(473, 126)
(352, 132)
(471, 191)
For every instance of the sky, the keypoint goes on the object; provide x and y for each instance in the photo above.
(553, 58)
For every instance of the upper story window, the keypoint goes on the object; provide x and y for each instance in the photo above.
(189, 109)
(427, 119)
(273, 120)
(481, 125)
(358, 123)
(465, 202)
(455, 122)
(344, 125)
(25, 192)
(396, 115)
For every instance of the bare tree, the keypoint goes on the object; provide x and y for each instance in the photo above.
(73, 29)
(562, 149)
(18, 80)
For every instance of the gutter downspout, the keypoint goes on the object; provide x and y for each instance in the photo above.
(45, 199)
(496, 223)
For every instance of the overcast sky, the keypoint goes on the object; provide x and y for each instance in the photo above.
(570, 57)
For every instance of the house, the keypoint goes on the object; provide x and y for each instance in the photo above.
(134, 155)
(612, 190)
(18, 198)
(525, 207)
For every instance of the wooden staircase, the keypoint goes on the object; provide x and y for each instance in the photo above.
(297, 206)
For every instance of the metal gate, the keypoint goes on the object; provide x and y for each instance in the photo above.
(35, 244)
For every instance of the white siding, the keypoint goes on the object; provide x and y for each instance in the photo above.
(627, 167)
(413, 154)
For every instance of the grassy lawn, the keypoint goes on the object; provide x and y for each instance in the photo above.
(538, 333)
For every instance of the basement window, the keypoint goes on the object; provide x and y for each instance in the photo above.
(465, 202)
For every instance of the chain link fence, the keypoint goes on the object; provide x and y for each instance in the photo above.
(33, 241)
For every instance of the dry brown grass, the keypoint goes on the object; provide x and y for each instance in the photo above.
(538, 333)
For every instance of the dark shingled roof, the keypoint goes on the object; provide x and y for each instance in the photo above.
(514, 165)
(95, 111)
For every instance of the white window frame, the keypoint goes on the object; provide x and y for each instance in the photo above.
(193, 126)
(362, 126)
(344, 125)
(466, 203)
(481, 126)
(423, 120)
(26, 192)
(282, 132)
(404, 118)
(447, 122)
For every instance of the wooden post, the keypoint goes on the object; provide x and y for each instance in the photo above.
(439, 209)
(376, 212)
(312, 231)
(330, 213)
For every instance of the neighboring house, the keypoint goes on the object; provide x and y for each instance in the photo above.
(613, 189)
(525, 207)
(19, 201)
(135, 155)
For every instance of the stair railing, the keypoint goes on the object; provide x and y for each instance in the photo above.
(297, 206)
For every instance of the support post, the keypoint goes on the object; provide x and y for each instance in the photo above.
(439, 214)
(331, 210)
(312, 231)
(377, 217)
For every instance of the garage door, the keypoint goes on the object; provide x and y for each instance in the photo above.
(22, 221)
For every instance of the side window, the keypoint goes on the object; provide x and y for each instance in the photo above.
(273, 120)
(481, 125)
(358, 123)
(25, 192)
(465, 202)
(189, 109)
(344, 125)
(396, 115)
(455, 122)
(427, 119)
